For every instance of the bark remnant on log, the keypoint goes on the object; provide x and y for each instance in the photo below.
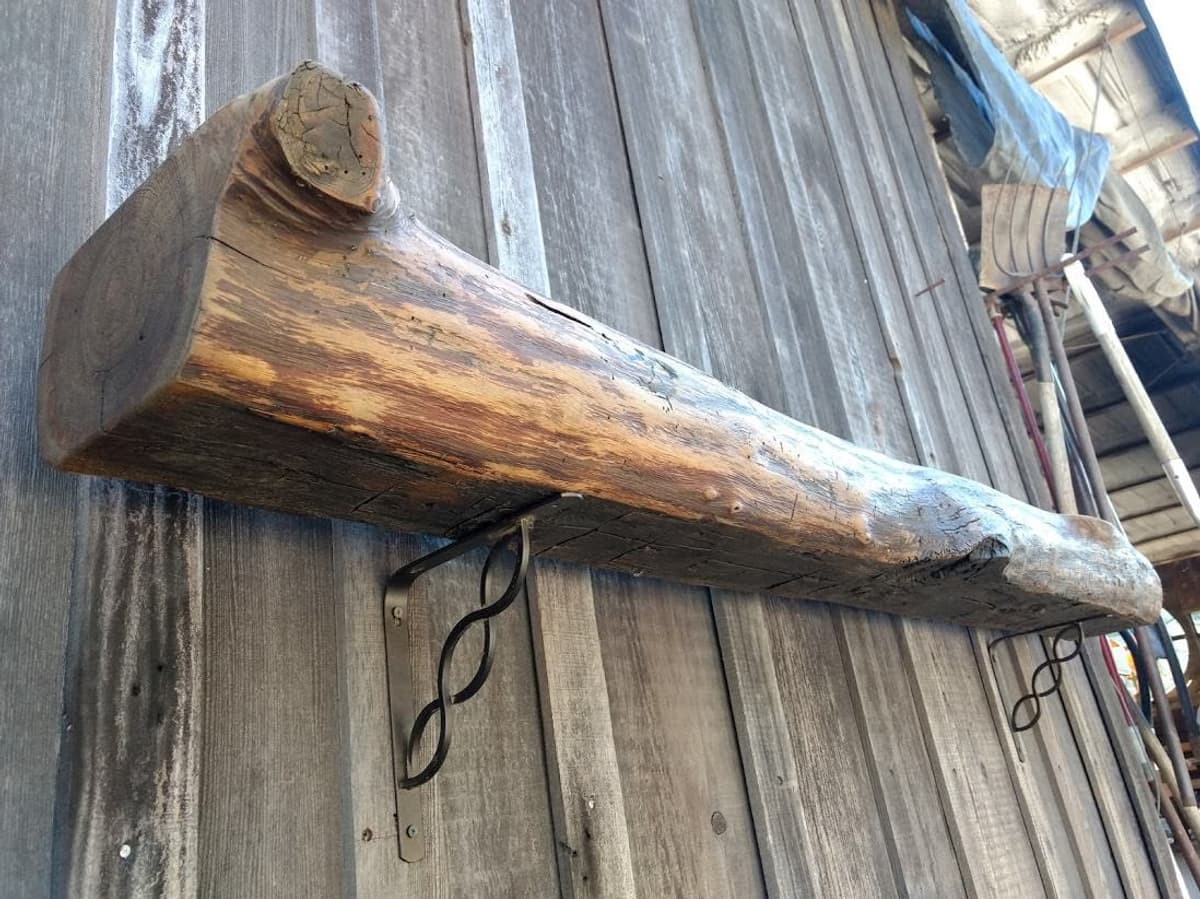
(262, 322)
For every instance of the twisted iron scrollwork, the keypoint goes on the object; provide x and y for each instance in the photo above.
(440, 705)
(511, 532)
(1063, 647)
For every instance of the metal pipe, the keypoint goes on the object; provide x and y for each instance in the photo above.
(1052, 427)
(1156, 433)
(1135, 392)
(1187, 796)
(1187, 711)
(1078, 420)
(1018, 383)
(1183, 841)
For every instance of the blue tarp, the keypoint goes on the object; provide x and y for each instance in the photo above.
(1001, 125)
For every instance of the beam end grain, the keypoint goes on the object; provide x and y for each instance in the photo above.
(329, 131)
(261, 326)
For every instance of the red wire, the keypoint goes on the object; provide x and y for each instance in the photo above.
(1014, 375)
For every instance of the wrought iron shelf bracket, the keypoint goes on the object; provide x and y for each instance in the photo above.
(408, 728)
(1064, 644)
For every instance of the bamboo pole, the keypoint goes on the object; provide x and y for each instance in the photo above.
(1135, 392)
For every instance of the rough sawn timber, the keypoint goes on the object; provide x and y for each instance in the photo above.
(262, 322)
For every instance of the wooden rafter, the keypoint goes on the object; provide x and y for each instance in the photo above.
(1043, 56)
(1171, 145)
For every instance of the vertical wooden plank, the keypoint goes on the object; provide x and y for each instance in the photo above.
(48, 51)
(961, 307)
(1040, 816)
(1031, 783)
(690, 831)
(585, 781)
(772, 769)
(1102, 760)
(270, 811)
(510, 204)
(486, 820)
(792, 148)
(590, 225)
(270, 760)
(1128, 758)
(585, 788)
(1092, 742)
(597, 263)
(675, 138)
(127, 807)
(129, 775)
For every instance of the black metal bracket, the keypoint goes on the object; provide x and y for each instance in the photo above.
(407, 729)
(1068, 636)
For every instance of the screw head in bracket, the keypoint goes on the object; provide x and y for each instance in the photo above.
(410, 831)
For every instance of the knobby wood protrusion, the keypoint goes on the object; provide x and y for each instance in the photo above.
(257, 324)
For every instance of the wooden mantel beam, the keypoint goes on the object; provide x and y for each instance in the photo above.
(263, 323)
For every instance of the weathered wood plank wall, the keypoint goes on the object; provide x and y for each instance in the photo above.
(203, 684)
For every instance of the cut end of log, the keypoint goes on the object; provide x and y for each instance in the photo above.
(330, 132)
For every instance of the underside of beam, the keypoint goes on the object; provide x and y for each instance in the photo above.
(262, 322)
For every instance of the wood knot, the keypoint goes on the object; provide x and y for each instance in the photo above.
(329, 131)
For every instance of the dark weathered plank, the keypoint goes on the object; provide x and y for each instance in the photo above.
(56, 52)
(1127, 467)
(597, 263)
(690, 831)
(130, 765)
(1117, 427)
(270, 737)
(1148, 496)
(128, 781)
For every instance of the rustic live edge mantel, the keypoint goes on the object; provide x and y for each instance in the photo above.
(262, 322)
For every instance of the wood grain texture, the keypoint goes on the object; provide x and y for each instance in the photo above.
(1087, 720)
(788, 206)
(980, 870)
(597, 263)
(590, 837)
(269, 745)
(130, 761)
(270, 760)
(887, 146)
(48, 51)
(130, 765)
(490, 802)
(136, 541)
(690, 830)
(244, 354)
